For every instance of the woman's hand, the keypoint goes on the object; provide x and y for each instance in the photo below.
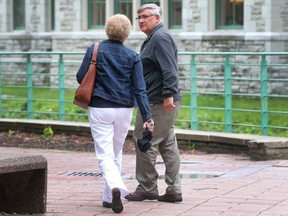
(150, 124)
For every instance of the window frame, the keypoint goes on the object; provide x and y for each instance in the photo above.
(90, 26)
(227, 27)
(23, 16)
(111, 8)
(170, 15)
(124, 1)
(52, 14)
(150, 1)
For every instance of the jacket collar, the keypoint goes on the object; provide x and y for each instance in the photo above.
(160, 25)
(112, 41)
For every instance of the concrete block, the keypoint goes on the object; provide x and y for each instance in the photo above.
(268, 148)
(192, 135)
(247, 14)
(201, 27)
(23, 184)
(223, 36)
(203, 3)
(266, 12)
(257, 146)
(249, 2)
(249, 26)
(232, 140)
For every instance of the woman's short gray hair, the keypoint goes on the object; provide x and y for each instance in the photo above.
(154, 9)
(118, 27)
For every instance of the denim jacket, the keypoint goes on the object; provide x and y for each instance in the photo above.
(119, 76)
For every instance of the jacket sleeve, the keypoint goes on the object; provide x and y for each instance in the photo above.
(165, 54)
(139, 88)
(85, 64)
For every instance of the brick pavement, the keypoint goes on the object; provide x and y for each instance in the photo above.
(243, 188)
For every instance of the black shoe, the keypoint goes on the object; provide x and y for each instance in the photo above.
(117, 205)
(170, 198)
(138, 197)
(106, 204)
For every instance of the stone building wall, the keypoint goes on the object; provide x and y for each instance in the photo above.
(284, 15)
(2, 11)
(242, 43)
(4, 15)
(195, 15)
(68, 14)
(266, 15)
(257, 15)
(80, 43)
(11, 64)
(264, 31)
(34, 21)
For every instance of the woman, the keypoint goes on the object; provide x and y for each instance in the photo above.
(119, 82)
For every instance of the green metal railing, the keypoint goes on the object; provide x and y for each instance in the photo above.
(33, 58)
(228, 88)
(29, 80)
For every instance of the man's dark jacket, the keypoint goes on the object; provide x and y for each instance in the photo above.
(159, 58)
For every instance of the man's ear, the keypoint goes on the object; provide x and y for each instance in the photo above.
(157, 18)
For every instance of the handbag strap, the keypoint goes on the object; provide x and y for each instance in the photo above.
(94, 57)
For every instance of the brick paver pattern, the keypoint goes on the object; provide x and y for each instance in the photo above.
(242, 188)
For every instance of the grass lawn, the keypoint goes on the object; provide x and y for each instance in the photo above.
(15, 100)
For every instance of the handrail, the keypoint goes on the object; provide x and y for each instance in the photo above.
(227, 64)
(179, 53)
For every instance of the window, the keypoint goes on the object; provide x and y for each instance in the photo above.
(52, 14)
(19, 14)
(100, 10)
(96, 14)
(175, 14)
(123, 7)
(229, 14)
(150, 1)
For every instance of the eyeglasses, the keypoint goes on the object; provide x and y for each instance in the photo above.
(144, 17)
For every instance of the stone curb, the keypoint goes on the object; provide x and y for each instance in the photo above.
(257, 146)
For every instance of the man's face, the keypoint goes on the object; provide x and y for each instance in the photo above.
(147, 22)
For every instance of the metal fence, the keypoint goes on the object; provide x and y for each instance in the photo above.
(30, 59)
(264, 95)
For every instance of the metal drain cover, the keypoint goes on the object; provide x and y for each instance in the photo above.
(130, 177)
(92, 174)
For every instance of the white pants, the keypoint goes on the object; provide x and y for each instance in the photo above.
(109, 128)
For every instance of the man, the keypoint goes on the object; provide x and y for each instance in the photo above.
(159, 58)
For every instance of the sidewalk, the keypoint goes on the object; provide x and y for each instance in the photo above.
(243, 188)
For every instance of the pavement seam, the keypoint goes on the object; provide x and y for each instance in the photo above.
(243, 168)
(241, 187)
(281, 201)
(200, 205)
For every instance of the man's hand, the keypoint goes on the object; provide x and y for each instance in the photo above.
(169, 104)
(150, 124)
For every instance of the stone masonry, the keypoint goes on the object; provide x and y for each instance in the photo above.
(265, 30)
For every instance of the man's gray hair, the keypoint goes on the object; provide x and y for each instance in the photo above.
(154, 9)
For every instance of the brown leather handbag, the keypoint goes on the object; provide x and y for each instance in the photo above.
(84, 92)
